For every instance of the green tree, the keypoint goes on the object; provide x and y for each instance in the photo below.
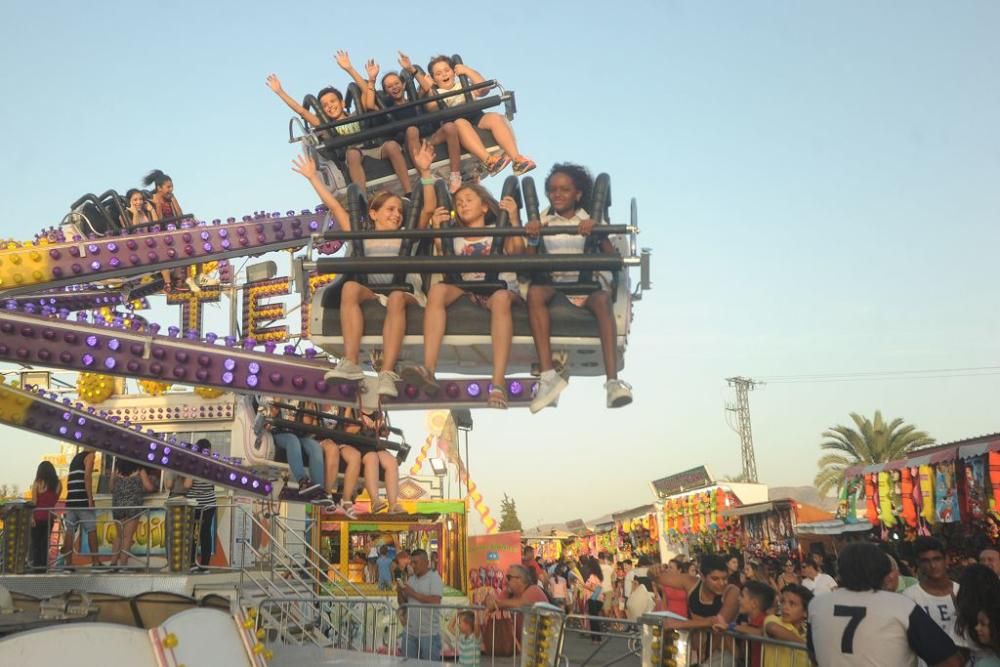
(867, 442)
(508, 514)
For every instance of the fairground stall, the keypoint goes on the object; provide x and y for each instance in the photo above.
(690, 507)
(638, 533)
(768, 529)
(951, 489)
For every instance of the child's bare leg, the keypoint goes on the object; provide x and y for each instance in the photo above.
(441, 296)
(599, 303)
(394, 154)
(448, 133)
(470, 141)
(355, 168)
(502, 134)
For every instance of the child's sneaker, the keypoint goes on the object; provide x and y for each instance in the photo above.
(306, 487)
(387, 384)
(421, 378)
(619, 393)
(550, 385)
(344, 370)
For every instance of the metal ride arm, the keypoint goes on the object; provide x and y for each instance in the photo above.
(488, 263)
(24, 269)
(46, 415)
(78, 346)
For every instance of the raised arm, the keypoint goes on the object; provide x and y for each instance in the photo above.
(275, 84)
(306, 166)
(422, 161)
(367, 87)
(423, 80)
(474, 78)
(777, 631)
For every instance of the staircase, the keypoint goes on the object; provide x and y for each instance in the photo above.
(304, 599)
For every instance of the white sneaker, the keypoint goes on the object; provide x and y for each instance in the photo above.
(387, 384)
(619, 393)
(345, 370)
(550, 386)
(192, 285)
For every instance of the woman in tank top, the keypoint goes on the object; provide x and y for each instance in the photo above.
(166, 206)
(45, 493)
(711, 599)
(386, 214)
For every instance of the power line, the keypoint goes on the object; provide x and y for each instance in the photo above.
(742, 409)
(868, 376)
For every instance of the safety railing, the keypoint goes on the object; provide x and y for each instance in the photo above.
(437, 633)
(660, 644)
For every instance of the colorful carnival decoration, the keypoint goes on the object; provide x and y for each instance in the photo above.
(909, 501)
(154, 387)
(208, 392)
(95, 388)
(257, 314)
(442, 431)
(946, 493)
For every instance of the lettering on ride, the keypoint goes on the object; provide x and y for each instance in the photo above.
(190, 303)
(257, 313)
(313, 284)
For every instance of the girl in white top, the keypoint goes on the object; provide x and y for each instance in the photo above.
(386, 213)
(474, 207)
(566, 186)
(443, 79)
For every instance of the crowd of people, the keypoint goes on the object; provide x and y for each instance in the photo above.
(129, 483)
(943, 612)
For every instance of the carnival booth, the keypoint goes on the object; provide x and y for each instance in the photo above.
(437, 526)
(951, 487)
(638, 533)
(768, 529)
(690, 509)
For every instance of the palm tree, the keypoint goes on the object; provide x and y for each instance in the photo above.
(870, 442)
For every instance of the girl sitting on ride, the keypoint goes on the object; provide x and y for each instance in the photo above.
(446, 133)
(386, 213)
(331, 101)
(333, 454)
(566, 186)
(371, 424)
(139, 210)
(475, 209)
(166, 206)
(443, 77)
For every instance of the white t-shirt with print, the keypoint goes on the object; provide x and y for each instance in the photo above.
(823, 583)
(941, 609)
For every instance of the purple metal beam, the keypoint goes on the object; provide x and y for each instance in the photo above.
(44, 414)
(70, 262)
(75, 345)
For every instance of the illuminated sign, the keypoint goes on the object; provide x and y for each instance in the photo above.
(257, 314)
(190, 303)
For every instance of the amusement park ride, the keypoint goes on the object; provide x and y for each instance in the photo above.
(70, 298)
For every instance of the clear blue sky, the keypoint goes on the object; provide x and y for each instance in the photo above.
(818, 183)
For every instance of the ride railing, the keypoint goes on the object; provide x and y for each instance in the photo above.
(346, 623)
(708, 648)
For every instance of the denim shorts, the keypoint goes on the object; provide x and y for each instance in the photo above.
(80, 516)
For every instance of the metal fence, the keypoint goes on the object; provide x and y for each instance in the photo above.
(426, 632)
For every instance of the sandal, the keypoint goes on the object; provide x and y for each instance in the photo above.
(496, 163)
(397, 509)
(378, 506)
(522, 165)
(497, 399)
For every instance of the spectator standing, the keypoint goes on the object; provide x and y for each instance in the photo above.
(203, 493)
(816, 580)
(422, 639)
(935, 592)
(45, 493)
(990, 557)
(80, 506)
(788, 625)
(129, 485)
(383, 566)
(860, 624)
